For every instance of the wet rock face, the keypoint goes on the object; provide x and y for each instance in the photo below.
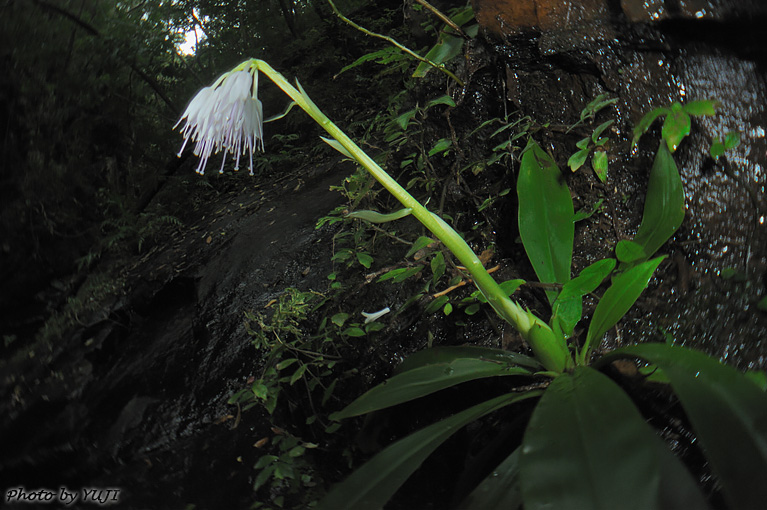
(560, 55)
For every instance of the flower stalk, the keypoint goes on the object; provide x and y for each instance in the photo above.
(549, 347)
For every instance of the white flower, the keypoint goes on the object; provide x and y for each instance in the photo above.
(371, 317)
(225, 116)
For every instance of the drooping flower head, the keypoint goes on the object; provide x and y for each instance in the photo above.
(227, 116)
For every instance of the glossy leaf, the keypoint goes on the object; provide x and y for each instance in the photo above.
(587, 446)
(664, 203)
(545, 216)
(425, 380)
(500, 490)
(373, 484)
(675, 127)
(728, 412)
(568, 307)
(618, 299)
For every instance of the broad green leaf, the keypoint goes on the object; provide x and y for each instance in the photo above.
(578, 159)
(373, 484)
(376, 217)
(617, 299)
(451, 353)
(675, 127)
(545, 216)
(599, 164)
(425, 380)
(629, 251)
(500, 490)
(728, 412)
(354, 332)
(587, 447)
(364, 259)
(285, 363)
(664, 203)
(568, 307)
(448, 47)
(704, 107)
(646, 122)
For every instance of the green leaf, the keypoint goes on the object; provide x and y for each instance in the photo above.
(449, 354)
(500, 490)
(425, 380)
(728, 412)
(380, 56)
(437, 266)
(597, 104)
(599, 164)
(587, 446)
(285, 363)
(337, 146)
(629, 251)
(400, 274)
(297, 374)
(373, 484)
(364, 259)
(446, 100)
(646, 122)
(448, 47)
(583, 143)
(762, 304)
(717, 149)
(568, 307)
(587, 212)
(441, 146)
(617, 299)
(436, 304)
(339, 319)
(376, 217)
(419, 244)
(511, 286)
(675, 127)
(578, 159)
(545, 216)
(731, 140)
(664, 203)
(600, 129)
(354, 332)
(704, 107)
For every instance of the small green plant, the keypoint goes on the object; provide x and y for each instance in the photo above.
(596, 142)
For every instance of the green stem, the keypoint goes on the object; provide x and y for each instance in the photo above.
(551, 351)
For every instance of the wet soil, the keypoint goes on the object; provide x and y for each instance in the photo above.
(135, 397)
